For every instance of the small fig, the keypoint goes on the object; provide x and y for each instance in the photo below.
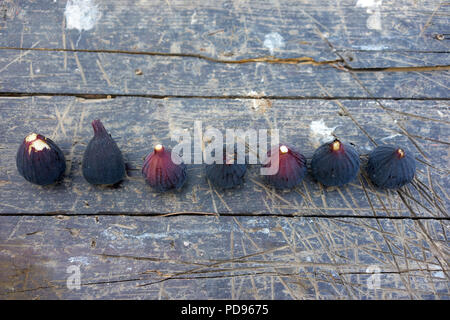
(228, 173)
(39, 160)
(161, 173)
(291, 168)
(390, 166)
(335, 163)
(102, 161)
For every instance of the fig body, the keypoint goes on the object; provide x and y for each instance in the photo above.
(39, 160)
(227, 174)
(102, 161)
(291, 168)
(335, 163)
(391, 167)
(161, 173)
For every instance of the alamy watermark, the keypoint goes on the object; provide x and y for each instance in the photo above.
(194, 150)
(74, 279)
(374, 281)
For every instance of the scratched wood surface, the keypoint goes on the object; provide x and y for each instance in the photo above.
(231, 29)
(140, 123)
(116, 74)
(223, 257)
(375, 71)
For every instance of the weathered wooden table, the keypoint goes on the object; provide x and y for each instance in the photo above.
(375, 71)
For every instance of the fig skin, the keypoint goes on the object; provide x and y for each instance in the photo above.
(228, 174)
(391, 167)
(161, 173)
(103, 163)
(291, 168)
(335, 164)
(39, 160)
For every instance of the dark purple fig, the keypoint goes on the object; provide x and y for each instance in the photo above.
(102, 161)
(39, 160)
(228, 173)
(391, 167)
(161, 172)
(291, 168)
(335, 163)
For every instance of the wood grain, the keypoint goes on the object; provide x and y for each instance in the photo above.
(139, 123)
(231, 29)
(116, 74)
(376, 74)
(223, 258)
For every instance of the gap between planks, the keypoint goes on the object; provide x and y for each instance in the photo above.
(106, 96)
(224, 214)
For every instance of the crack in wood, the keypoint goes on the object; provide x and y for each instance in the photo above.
(339, 64)
(220, 214)
(107, 96)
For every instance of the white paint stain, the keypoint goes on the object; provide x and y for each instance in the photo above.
(373, 9)
(371, 47)
(257, 103)
(79, 259)
(320, 132)
(194, 18)
(439, 274)
(175, 47)
(390, 137)
(273, 41)
(81, 14)
(186, 243)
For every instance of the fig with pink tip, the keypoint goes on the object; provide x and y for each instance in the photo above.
(291, 168)
(161, 172)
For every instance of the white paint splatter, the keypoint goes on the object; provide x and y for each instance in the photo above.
(320, 132)
(109, 234)
(373, 9)
(390, 137)
(194, 18)
(186, 243)
(146, 236)
(80, 259)
(439, 274)
(273, 41)
(175, 47)
(371, 47)
(257, 103)
(81, 14)
(368, 3)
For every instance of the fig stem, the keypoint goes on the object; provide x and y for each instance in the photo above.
(98, 127)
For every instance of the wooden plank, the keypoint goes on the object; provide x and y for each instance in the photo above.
(40, 71)
(113, 73)
(403, 59)
(223, 258)
(228, 29)
(139, 123)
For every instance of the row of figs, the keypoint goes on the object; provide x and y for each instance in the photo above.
(40, 161)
